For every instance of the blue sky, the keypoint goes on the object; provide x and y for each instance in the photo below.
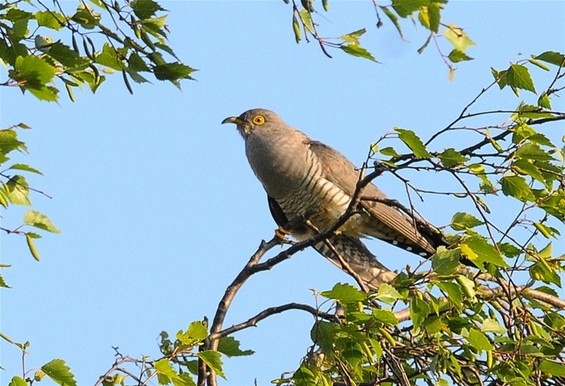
(158, 207)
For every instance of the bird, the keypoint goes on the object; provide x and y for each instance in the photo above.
(311, 185)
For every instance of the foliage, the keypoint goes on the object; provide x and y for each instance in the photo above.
(47, 47)
(426, 13)
(499, 323)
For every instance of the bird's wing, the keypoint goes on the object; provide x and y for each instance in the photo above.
(392, 225)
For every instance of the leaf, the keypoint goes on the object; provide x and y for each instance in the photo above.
(17, 190)
(393, 18)
(50, 19)
(356, 50)
(229, 346)
(86, 17)
(167, 374)
(3, 283)
(429, 16)
(492, 325)
(552, 368)
(516, 187)
(413, 142)
(478, 340)
(385, 316)
(532, 151)
(405, 8)
(296, 28)
(458, 56)
(552, 57)
(67, 56)
(445, 261)
(59, 372)
(39, 220)
(517, 76)
(24, 167)
(457, 37)
(145, 9)
(172, 71)
(213, 360)
(419, 311)
(453, 292)
(32, 72)
(31, 246)
(17, 381)
(388, 294)
(344, 293)
(451, 157)
(461, 221)
(479, 251)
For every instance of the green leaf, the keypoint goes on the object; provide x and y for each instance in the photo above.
(385, 316)
(344, 293)
(389, 151)
(429, 16)
(393, 18)
(356, 50)
(197, 330)
(461, 221)
(229, 346)
(296, 28)
(31, 246)
(552, 368)
(517, 76)
(39, 220)
(405, 8)
(173, 71)
(3, 283)
(451, 157)
(413, 142)
(109, 58)
(145, 9)
(17, 381)
(59, 372)
(516, 187)
(453, 291)
(492, 325)
(532, 151)
(32, 72)
(419, 311)
(388, 294)
(478, 340)
(24, 167)
(67, 57)
(445, 261)
(458, 56)
(50, 19)
(541, 271)
(17, 190)
(479, 251)
(353, 37)
(86, 17)
(458, 38)
(552, 57)
(213, 360)
(544, 101)
(166, 374)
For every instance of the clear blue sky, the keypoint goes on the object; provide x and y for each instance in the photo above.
(158, 207)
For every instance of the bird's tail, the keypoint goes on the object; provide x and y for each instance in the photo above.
(352, 256)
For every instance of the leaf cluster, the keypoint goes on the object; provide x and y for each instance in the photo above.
(48, 47)
(15, 190)
(426, 13)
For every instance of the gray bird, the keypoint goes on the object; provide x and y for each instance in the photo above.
(308, 180)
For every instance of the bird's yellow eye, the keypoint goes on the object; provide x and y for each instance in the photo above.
(258, 120)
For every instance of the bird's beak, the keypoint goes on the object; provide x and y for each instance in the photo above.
(235, 120)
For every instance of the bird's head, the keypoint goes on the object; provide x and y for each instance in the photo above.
(254, 119)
